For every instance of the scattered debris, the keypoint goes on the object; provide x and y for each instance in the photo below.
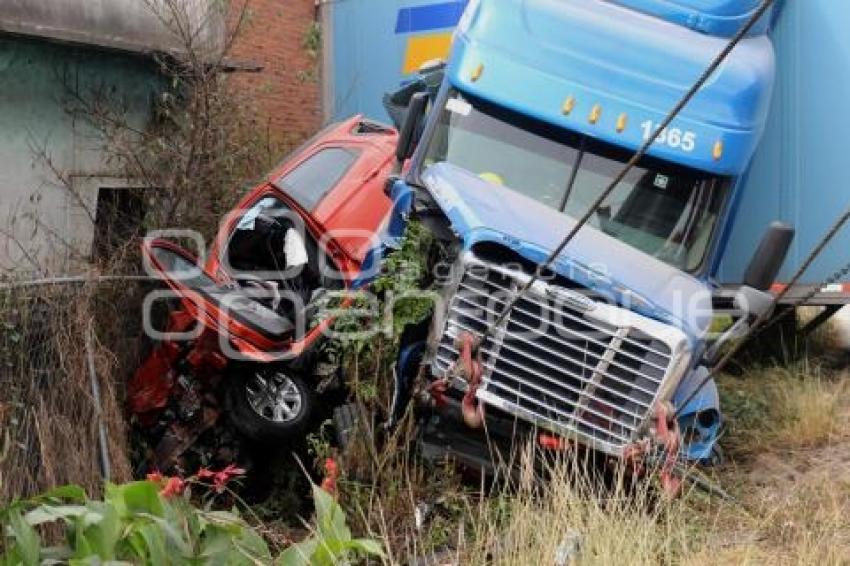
(421, 514)
(569, 551)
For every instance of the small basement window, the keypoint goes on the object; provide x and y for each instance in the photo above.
(118, 219)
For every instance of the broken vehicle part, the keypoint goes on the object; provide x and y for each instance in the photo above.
(585, 244)
(253, 305)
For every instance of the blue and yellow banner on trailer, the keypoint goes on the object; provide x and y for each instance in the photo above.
(428, 32)
(374, 46)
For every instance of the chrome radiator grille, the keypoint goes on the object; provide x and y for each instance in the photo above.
(560, 360)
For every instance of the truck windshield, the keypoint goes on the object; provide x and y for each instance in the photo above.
(662, 209)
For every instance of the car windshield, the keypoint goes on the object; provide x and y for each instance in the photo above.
(662, 209)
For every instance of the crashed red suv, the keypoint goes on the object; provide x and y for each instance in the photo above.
(248, 313)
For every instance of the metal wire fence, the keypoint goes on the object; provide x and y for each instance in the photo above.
(64, 350)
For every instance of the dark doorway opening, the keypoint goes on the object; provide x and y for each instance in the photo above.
(118, 219)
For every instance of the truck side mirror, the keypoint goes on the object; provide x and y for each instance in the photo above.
(748, 304)
(410, 127)
(769, 256)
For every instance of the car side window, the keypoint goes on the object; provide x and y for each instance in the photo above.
(310, 181)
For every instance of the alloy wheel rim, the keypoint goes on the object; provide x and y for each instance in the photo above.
(274, 397)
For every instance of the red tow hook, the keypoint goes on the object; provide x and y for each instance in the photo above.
(554, 443)
(469, 368)
(668, 434)
(635, 455)
(437, 389)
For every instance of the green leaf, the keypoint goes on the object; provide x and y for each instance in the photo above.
(82, 547)
(142, 497)
(105, 533)
(190, 519)
(173, 535)
(330, 518)
(27, 541)
(114, 496)
(151, 541)
(253, 545)
(135, 525)
(49, 513)
(368, 546)
(94, 560)
(329, 552)
(133, 543)
(223, 519)
(55, 555)
(299, 554)
(66, 492)
(217, 545)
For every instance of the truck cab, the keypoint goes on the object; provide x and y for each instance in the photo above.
(542, 105)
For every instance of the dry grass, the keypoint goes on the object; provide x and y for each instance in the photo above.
(202, 142)
(575, 518)
(807, 410)
(797, 406)
(48, 414)
(789, 473)
(790, 445)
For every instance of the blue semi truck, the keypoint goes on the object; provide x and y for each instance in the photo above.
(796, 174)
(542, 104)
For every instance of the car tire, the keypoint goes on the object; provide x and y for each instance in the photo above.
(270, 405)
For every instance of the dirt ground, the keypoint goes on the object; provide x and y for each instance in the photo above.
(792, 487)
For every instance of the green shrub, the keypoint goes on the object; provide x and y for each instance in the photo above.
(134, 523)
(331, 542)
(150, 522)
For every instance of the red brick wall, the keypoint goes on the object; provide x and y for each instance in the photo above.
(287, 90)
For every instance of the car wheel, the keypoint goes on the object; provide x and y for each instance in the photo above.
(271, 405)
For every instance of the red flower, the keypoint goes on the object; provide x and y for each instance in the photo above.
(155, 477)
(232, 471)
(331, 475)
(329, 485)
(220, 479)
(173, 486)
(205, 474)
(224, 476)
(331, 467)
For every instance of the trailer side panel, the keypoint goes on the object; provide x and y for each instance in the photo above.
(799, 172)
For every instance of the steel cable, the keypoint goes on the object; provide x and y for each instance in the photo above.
(764, 318)
(641, 152)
